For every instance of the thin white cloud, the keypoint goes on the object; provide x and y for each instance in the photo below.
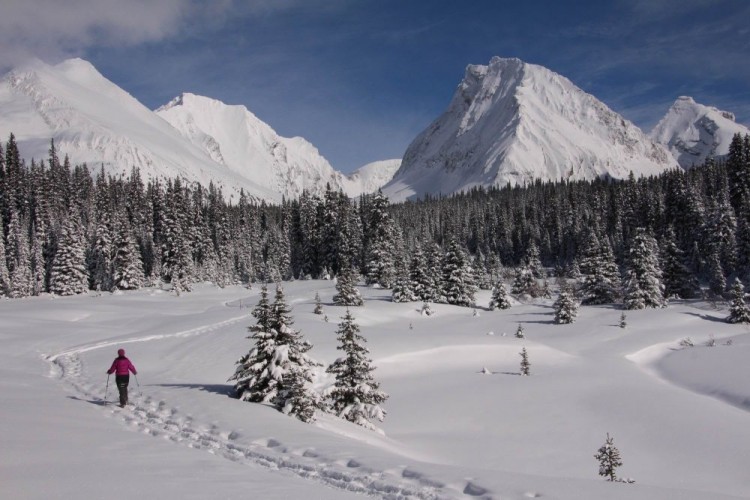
(55, 29)
(52, 29)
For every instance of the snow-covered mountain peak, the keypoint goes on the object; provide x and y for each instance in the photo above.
(694, 132)
(511, 121)
(197, 138)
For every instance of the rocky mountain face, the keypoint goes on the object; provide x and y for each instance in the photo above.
(198, 139)
(693, 132)
(514, 122)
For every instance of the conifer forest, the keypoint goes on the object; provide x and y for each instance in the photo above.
(68, 229)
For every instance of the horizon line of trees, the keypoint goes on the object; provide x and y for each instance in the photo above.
(66, 231)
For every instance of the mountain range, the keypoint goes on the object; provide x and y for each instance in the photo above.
(508, 122)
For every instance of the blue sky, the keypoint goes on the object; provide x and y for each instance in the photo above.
(361, 78)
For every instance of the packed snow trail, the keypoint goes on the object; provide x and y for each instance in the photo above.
(156, 418)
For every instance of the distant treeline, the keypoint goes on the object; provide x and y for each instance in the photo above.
(66, 231)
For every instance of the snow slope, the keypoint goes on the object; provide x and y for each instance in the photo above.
(94, 121)
(516, 122)
(199, 139)
(693, 132)
(452, 432)
(234, 137)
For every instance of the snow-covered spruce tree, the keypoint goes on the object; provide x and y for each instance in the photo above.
(738, 312)
(678, 280)
(318, 305)
(433, 284)
(601, 282)
(623, 320)
(500, 299)
(519, 332)
(717, 282)
(402, 288)
(347, 292)
(176, 254)
(458, 277)
(532, 261)
(127, 267)
(420, 281)
(277, 369)
(291, 363)
(609, 459)
(18, 258)
(380, 266)
(524, 283)
(68, 275)
(300, 400)
(255, 377)
(355, 395)
(525, 365)
(566, 307)
(4, 275)
(643, 286)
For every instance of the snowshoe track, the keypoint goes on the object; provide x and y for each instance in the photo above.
(158, 419)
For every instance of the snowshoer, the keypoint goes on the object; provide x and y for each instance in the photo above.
(122, 367)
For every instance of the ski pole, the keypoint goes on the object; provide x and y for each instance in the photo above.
(139, 385)
(106, 389)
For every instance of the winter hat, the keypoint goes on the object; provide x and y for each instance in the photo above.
(121, 352)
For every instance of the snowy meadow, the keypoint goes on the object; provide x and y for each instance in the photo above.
(461, 421)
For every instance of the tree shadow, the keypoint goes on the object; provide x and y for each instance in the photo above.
(499, 373)
(222, 389)
(97, 402)
(707, 317)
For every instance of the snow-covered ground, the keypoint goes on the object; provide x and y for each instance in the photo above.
(679, 416)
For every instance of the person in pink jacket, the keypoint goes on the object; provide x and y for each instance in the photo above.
(122, 367)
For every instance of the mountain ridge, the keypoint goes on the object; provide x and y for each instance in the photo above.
(94, 121)
(515, 122)
(694, 132)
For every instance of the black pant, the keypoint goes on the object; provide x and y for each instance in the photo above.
(122, 382)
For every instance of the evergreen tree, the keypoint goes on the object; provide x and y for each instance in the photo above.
(678, 281)
(601, 282)
(524, 283)
(355, 396)
(4, 274)
(347, 292)
(525, 365)
(294, 393)
(458, 279)
(402, 290)
(738, 312)
(127, 266)
(300, 401)
(68, 274)
(623, 320)
(318, 305)
(380, 265)
(609, 459)
(519, 332)
(643, 286)
(277, 370)
(717, 283)
(419, 278)
(256, 376)
(18, 258)
(500, 299)
(566, 307)
(532, 261)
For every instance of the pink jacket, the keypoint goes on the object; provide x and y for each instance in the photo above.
(121, 366)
